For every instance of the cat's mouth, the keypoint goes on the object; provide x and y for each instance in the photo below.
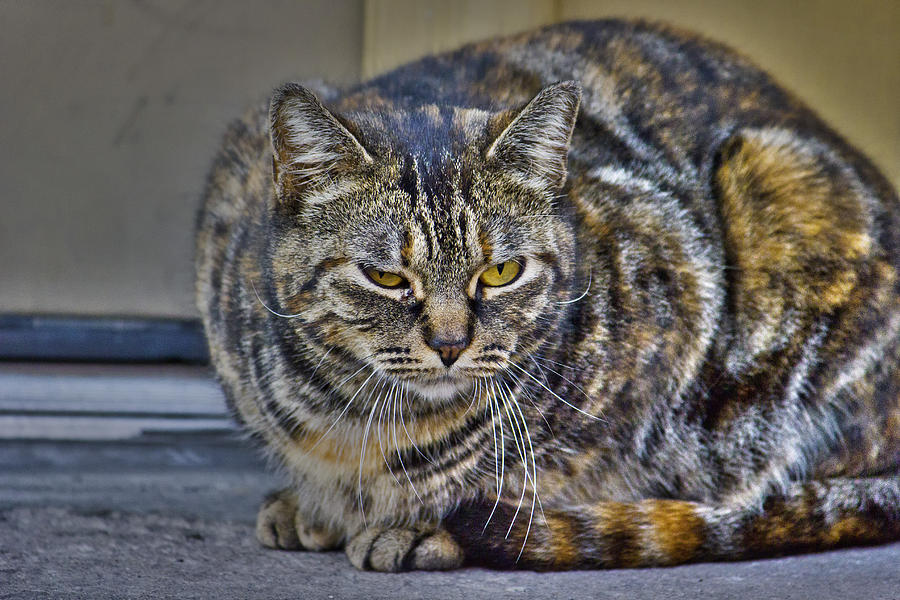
(444, 387)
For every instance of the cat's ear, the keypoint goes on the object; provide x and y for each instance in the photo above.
(311, 148)
(536, 142)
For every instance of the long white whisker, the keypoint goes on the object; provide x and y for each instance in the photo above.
(520, 384)
(379, 426)
(496, 405)
(395, 401)
(316, 370)
(265, 306)
(535, 498)
(557, 396)
(352, 375)
(402, 422)
(541, 373)
(496, 449)
(514, 427)
(583, 294)
(474, 397)
(572, 383)
(558, 364)
(540, 368)
(362, 456)
(344, 411)
(520, 448)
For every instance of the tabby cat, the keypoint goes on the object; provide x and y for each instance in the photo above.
(598, 295)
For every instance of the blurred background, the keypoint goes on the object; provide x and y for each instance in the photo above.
(111, 110)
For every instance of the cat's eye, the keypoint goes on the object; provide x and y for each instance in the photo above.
(386, 279)
(501, 274)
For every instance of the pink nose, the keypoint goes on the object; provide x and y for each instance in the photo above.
(449, 350)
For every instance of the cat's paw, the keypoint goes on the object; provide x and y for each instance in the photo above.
(279, 525)
(395, 550)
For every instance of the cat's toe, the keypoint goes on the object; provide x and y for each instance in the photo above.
(393, 550)
(275, 527)
(437, 552)
(280, 525)
(315, 538)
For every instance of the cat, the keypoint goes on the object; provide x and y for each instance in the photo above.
(596, 295)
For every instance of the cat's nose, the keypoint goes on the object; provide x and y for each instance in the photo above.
(448, 349)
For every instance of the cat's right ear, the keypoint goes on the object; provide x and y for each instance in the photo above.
(311, 148)
(535, 143)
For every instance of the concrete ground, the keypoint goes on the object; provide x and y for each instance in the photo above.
(173, 518)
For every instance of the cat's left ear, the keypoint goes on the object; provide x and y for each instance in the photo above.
(311, 147)
(536, 142)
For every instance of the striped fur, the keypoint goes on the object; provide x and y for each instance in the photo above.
(699, 359)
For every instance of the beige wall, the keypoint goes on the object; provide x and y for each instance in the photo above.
(111, 111)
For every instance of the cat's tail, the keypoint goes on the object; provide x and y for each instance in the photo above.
(811, 516)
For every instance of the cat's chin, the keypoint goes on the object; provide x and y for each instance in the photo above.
(445, 388)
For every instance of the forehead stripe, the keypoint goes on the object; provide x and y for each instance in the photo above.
(426, 214)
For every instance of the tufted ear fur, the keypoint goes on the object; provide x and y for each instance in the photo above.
(535, 144)
(310, 146)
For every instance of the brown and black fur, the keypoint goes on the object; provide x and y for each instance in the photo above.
(702, 359)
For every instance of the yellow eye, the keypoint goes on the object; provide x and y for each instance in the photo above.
(501, 274)
(385, 279)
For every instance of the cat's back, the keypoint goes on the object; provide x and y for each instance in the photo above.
(670, 83)
(239, 177)
(651, 92)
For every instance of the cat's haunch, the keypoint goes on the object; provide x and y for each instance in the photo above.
(597, 295)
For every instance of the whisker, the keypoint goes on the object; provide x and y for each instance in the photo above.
(553, 362)
(352, 375)
(496, 450)
(475, 392)
(378, 428)
(575, 385)
(395, 401)
(402, 422)
(557, 396)
(535, 498)
(313, 374)
(344, 411)
(583, 294)
(496, 405)
(520, 448)
(362, 457)
(521, 385)
(265, 306)
(539, 216)
(482, 372)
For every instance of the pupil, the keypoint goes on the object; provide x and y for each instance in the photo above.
(500, 269)
(380, 274)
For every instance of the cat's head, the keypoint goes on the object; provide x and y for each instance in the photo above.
(427, 243)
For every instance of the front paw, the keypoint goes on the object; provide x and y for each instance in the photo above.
(280, 525)
(395, 550)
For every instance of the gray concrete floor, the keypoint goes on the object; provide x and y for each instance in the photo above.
(173, 518)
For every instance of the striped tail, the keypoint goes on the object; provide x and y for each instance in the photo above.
(811, 516)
